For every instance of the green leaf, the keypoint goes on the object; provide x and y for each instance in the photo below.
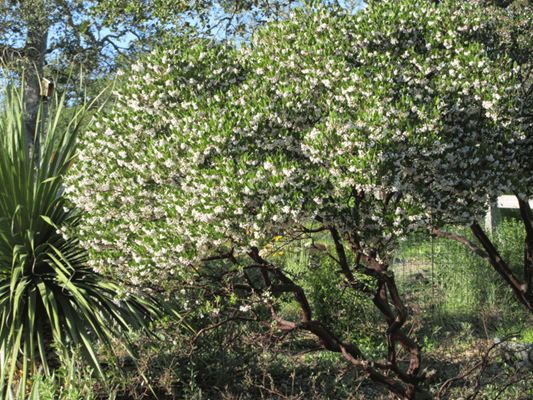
(49, 221)
(84, 26)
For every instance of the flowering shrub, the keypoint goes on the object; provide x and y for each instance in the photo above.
(510, 168)
(360, 126)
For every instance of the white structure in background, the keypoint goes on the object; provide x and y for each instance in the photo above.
(503, 202)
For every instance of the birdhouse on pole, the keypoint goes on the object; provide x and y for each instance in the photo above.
(47, 88)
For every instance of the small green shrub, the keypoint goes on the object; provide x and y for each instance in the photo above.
(72, 381)
(332, 303)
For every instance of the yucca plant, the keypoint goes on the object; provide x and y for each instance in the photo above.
(48, 293)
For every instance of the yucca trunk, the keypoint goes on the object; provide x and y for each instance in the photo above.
(35, 51)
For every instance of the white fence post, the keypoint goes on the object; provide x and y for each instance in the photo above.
(490, 219)
(503, 202)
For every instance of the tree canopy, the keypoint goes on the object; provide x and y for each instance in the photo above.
(225, 20)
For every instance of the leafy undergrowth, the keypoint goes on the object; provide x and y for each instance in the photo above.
(301, 371)
(243, 362)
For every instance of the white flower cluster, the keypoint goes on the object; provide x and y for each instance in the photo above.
(245, 308)
(367, 122)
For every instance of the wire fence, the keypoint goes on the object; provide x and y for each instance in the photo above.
(447, 275)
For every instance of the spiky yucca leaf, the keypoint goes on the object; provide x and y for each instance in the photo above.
(46, 286)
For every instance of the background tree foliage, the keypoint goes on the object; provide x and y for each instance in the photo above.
(62, 40)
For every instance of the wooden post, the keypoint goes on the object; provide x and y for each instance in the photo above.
(47, 91)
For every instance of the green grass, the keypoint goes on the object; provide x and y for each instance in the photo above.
(527, 335)
(464, 285)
